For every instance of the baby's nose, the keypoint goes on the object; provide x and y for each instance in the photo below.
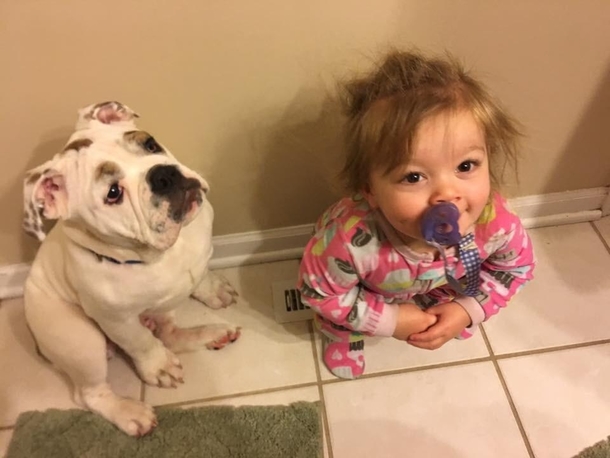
(445, 192)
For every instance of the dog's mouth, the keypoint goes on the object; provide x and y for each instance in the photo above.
(192, 200)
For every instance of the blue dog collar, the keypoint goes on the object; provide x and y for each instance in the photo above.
(101, 257)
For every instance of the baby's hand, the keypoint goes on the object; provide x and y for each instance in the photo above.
(412, 320)
(451, 321)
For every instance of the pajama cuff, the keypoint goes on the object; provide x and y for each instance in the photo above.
(474, 310)
(387, 321)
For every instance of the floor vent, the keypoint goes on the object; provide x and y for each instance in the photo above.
(287, 305)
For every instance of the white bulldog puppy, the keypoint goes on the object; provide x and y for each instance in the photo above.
(132, 242)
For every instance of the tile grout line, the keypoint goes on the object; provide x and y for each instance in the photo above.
(409, 370)
(542, 351)
(509, 397)
(216, 398)
(236, 395)
(324, 414)
(601, 237)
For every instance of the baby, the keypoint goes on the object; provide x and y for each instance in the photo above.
(425, 248)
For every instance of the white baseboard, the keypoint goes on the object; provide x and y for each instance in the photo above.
(12, 280)
(606, 206)
(260, 246)
(561, 219)
(541, 205)
(287, 243)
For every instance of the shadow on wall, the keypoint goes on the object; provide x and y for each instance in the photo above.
(295, 156)
(300, 159)
(587, 153)
(50, 143)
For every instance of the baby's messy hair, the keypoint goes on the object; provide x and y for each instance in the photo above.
(385, 107)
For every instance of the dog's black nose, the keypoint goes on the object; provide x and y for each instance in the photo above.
(163, 179)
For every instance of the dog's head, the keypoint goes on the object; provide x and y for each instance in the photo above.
(114, 182)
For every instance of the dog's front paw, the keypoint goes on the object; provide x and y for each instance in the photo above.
(133, 417)
(215, 291)
(160, 367)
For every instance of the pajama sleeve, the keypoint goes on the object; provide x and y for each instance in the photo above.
(330, 281)
(509, 266)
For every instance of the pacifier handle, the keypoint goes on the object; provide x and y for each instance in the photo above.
(440, 228)
(439, 224)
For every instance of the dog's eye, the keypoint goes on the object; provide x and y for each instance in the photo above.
(115, 194)
(152, 146)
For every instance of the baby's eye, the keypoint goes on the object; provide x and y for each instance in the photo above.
(467, 166)
(412, 178)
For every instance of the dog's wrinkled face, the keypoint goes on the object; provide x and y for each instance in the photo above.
(116, 182)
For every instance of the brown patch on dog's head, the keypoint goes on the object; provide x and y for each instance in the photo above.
(144, 140)
(108, 169)
(32, 178)
(77, 145)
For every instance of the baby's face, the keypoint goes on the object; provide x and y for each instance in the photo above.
(449, 164)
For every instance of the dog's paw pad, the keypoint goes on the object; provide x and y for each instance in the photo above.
(230, 337)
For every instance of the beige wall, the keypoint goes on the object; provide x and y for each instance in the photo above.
(240, 89)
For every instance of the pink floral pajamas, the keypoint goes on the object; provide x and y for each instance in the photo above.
(355, 270)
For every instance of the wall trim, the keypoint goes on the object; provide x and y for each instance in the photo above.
(12, 280)
(556, 203)
(287, 243)
(606, 206)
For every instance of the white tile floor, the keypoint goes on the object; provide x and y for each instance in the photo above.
(533, 383)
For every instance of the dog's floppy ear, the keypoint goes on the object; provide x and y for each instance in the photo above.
(44, 194)
(106, 113)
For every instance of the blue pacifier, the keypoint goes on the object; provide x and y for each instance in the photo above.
(440, 228)
(440, 224)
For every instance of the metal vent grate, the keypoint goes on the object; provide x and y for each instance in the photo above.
(287, 305)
